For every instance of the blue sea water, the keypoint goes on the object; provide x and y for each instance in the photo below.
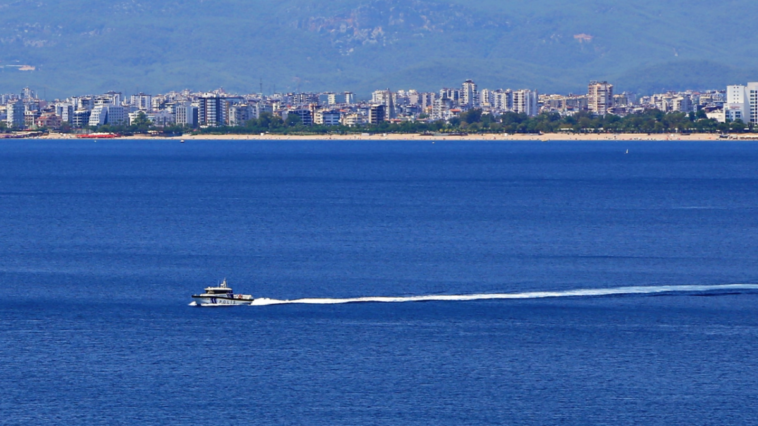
(102, 243)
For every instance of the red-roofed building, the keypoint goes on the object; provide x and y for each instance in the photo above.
(48, 120)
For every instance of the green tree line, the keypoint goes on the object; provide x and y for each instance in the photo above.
(476, 121)
(472, 121)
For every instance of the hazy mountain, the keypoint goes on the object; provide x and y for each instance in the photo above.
(83, 46)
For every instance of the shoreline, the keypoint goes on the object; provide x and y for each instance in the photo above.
(700, 137)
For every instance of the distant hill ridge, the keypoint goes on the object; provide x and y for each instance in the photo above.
(68, 47)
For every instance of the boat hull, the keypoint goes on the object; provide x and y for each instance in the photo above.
(216, 301)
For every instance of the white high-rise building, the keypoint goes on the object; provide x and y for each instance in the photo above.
(99, 116)
(142, 101)
(452, 94)
(737, 106)
(485, 98)
(186, 114)
(65, 111)
(752, 92)
(426, 99)
(413, 97)
(441, 108)
(600, 97)
(502, 100)
(525, 102)
(470, 94)
(86, 103)
(255, 110)
(115, 97)
(380, 96)
(327, 117)
(15, 112)
(108, 114)
(117, 115)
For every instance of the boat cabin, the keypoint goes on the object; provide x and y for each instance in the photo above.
(221, 289)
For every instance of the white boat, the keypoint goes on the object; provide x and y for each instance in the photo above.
(220, 296)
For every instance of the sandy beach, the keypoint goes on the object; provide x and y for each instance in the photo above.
(472, 137)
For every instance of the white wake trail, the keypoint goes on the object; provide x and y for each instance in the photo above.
(527, 295)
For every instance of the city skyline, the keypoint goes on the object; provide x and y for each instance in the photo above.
(219, 108)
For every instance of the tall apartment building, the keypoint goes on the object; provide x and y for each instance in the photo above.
(413, 97)
(98, 116)
(65, 111)
(211, 110)
(441, 108)
(387, 98)
(108, 114)
(162, 118)
(525, 102)
(451, 94)
(682, 103)
(485, 98)
(305, 115)
(625, 99)
(158, 102)
(576, 102)
(117, 115)
(81, 118)
(349, 98)
(377, 114)
(142, 102)
(15, 111)
(380, 96)
(600, 97)
(263, 106)
(390, 113)
(239, 114)
(327, 117)
(255, 108)
(502, 100)
(323, 99)
(114, 97)
(84, 103)
(752, 92)
(303, 98)
(186, 114)
(353, 119)
(426, 100)
(470, 94)
(737, 105)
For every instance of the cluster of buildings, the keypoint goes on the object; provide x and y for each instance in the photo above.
(218, 108)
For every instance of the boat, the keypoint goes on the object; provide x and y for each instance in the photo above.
(220, 296)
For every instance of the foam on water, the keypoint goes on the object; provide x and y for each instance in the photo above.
(640, 290)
